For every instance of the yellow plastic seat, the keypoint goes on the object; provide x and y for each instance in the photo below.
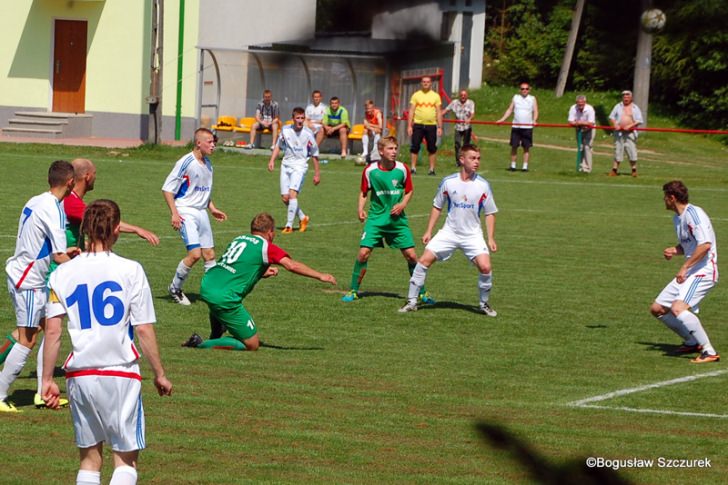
(245, 125)
(357, 132)
(225, 123)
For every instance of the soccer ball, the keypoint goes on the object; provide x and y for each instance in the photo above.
(359, 161)
(653, 20)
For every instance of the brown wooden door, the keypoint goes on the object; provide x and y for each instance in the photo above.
(69, 66)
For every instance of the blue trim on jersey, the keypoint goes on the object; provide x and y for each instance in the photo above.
(190, 158)
(45, 250)
(183, 189)
(27, 211)
(693, 215)
(61, 214)
(29, 304)
(693, 288)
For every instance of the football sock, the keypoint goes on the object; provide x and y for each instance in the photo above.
(180, 275)
(222, 343)
(678, 327)
(357, 275)
(292, 209)
(411, 269)
(209, 264)
(300, 214)
(39, 365)
(13, 366)
(124, 475)
(5, 349)
(692, 323)
(417, 282)
(525, 166)
(485, 283)
(365, 144)
(513, 165)
(88, 477)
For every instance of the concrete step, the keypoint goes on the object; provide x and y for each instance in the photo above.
(41, 123)
(33, 132)
(70, 125)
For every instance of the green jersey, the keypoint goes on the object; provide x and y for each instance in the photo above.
(387, 187)
(238, 270)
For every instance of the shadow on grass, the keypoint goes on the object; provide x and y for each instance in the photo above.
(382, 294)
(193, 297)
(668, 350)
(22, 397)
(542, 470)
(451, 305)
(57, 372)
(283, 347)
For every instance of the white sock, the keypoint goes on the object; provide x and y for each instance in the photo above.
(292, 209)
(417, 281)
(525, 166)
(677, 326)
(513, 164)
(39, 364)
(301, 215)
(365, 144)
(124, 475)
(180, 275)
(692, 323)
(87, 477)
(13, 366)
(485, 283)
(209, 264)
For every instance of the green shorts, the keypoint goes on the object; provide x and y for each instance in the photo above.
(237, 320)
(396, 233)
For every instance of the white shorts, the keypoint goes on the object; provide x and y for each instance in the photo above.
(107, 407)
(292, 178)
(195, 231)
(625, 142)
(445, 243)
(691, 291)
(29, 305)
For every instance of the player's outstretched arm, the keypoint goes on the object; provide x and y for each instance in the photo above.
(50, 391)
(148, 341)
(139, 231)
(299, 268)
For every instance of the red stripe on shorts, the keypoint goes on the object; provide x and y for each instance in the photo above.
(100, 372)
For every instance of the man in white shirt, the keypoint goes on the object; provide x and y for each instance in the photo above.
(187, 192)
(465, 195)
(625, 117)
(299, 144)
(315, 116)
(41, 238)
(677, 304)
(105, 297)
(525, 115)
(583, 118)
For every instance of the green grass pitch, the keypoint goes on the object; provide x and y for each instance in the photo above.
(381, 397)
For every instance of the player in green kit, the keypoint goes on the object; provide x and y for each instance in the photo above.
(247, 259)
(390, 185)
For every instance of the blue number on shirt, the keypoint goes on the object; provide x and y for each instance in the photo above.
(98, 304)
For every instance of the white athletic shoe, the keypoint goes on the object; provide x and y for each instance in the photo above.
(178, 296)
(408, 307)
(485, 308)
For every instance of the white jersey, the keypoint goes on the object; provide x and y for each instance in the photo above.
(465, 200)
(41, 233)
(191, 182)
(316, 113)
(102, 294)
(693, 228)
(298, 146)
(523, 111)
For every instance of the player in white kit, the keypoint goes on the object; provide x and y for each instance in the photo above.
(466, 195)
(696, 277)
(41, 237)
(187, 191)
(299, 144)
(104, 297)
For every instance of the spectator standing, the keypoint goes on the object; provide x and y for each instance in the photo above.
(525, 116)
(625, 117)
(583, 119)
(424, 122)
(464, 110)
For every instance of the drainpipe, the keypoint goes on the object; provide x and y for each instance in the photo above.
(180, 46)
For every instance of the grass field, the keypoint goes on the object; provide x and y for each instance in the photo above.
(382, 397)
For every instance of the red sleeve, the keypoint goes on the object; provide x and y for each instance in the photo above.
(275, 254)
(73, 206)
(408, 182)
(364, 182)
